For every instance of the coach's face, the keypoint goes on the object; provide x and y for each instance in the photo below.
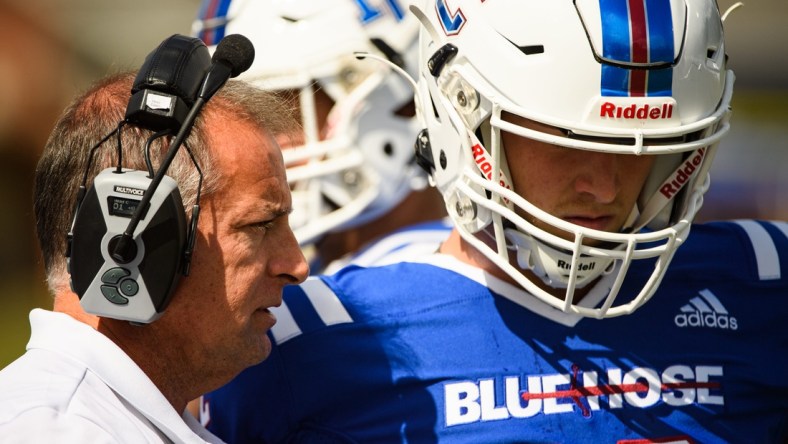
(245, 251)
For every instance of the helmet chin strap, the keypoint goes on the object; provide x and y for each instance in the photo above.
(554, 266)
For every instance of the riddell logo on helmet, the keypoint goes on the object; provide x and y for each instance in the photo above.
(642, 112)
(484, 164)
(580, 266)
(675, 183)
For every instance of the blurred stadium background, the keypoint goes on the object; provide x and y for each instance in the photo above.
(52, 49)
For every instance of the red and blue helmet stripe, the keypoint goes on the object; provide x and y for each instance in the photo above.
(213, 10)
(637, 44)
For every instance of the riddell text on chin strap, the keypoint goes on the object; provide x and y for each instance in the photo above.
(129, 242)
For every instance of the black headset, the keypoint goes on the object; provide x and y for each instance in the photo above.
(129, 242)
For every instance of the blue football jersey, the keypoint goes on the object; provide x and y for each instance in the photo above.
(438, 350)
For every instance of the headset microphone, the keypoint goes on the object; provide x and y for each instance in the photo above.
(233, 55)
(129, 241)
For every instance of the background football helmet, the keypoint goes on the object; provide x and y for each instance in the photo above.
(360, 164)
(615, 76)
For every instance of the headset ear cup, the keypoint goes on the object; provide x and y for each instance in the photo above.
(138, 289)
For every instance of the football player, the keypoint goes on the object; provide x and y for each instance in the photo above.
(352, 167)
(571, 142)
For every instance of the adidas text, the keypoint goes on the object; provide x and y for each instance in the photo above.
(699, 319)
(705, 310)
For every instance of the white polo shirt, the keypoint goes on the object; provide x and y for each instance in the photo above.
(74, 385)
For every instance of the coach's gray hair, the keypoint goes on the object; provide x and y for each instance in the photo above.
(95, 114)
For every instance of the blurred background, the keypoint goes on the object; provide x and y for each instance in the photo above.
(50, 50)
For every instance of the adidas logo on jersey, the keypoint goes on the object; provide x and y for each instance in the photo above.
(705, 310)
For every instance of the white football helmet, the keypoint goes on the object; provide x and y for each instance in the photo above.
(361, 163)
(639, 78)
